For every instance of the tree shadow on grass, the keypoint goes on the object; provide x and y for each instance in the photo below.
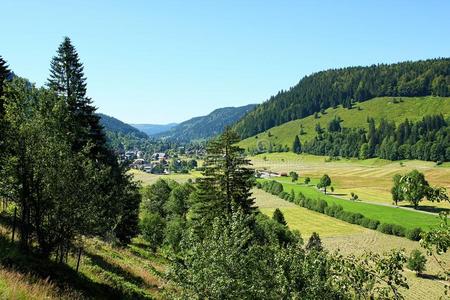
(64, 277)
(429, 276)
(429, 208)
(117, 270)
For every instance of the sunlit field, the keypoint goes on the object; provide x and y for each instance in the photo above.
(147, 178)
(370, 179)
(353, 239)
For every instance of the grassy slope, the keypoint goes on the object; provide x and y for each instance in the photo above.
(413, 108)
(106, 272)
(352, 239)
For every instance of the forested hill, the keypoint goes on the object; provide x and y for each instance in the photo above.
(205, 127)
(112, 124)
(152, 129)
(343, 86)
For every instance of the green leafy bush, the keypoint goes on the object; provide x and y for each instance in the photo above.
(398, 230)
(413, 234)
(385, 228)
(417, 262)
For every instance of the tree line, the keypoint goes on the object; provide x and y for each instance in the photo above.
(345, 86)
(426, 139)
(59, 180)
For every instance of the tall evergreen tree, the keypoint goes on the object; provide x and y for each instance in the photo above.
(68, 80)
(227, 180)
(4, 72)
(297, 146)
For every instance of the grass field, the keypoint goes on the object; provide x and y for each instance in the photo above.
(376, 108)
(371, 179)
(385, 214)
(352, 239)
(146, 178)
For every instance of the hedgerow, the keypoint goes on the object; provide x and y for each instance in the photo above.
(337, 211)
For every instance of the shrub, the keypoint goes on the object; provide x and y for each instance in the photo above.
(320, 205)
(398, 230)
(385, 228)
(417, 261)
(373, 224)
(413, 234)
(258, 185)
(333, 210)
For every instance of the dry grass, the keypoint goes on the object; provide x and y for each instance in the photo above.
(14, 285)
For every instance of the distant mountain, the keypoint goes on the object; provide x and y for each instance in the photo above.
(152, 129)
(206, 127)
(115, 125)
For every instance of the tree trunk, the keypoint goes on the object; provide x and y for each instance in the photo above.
(79, 258)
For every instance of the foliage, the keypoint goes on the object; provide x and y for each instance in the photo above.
(227, 180)
(417, 261)
(427, 139)
(57, 169)
(211, 268)
(294, 176)
(314, 243)
(343, 86)
(278, 217)
(325, 181)
(413, 187)
(152, 227)
(297, 146)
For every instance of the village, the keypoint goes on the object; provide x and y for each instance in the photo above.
(161, 162)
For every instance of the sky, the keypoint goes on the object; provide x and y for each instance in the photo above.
(158, 62)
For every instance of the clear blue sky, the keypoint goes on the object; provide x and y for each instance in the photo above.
(167, 61)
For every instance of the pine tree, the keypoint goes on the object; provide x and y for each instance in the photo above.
(68, 80)
(297, 146)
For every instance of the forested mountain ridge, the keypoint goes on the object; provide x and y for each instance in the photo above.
(345, 86)
(205, 127)
(115, 125)
(152, 129)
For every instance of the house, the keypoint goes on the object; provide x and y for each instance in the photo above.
(160, 156)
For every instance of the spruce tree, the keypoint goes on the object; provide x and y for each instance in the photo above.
(297, 146)
(227, 180)
(68, 80)
(4, 72)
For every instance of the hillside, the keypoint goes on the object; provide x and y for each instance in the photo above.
(121, 136)
(335, 87)
(205, 127)
(413, 108)
(115, 125)
(152, 129)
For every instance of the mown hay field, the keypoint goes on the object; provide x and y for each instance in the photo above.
(370, 179)
(353, 239)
